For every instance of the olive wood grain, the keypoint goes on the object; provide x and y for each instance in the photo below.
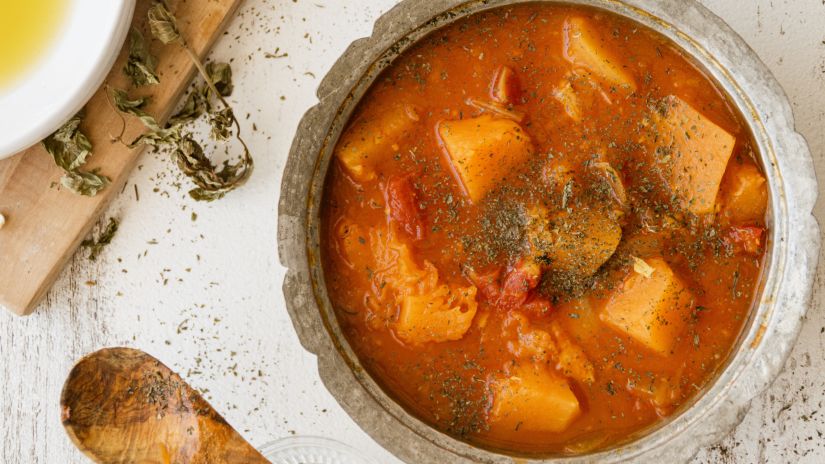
(44, 222)
(122, 406)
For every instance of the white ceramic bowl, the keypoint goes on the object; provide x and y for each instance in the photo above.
(66, 78)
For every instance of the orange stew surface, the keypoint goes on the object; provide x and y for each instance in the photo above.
(543, 229)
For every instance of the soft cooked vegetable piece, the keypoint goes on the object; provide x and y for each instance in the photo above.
(566, 95)
(571, 359)
(693, 152)
(429, 311)
(442, 315)
(371, 139)
(576, 242)
(652, 310)
(661, 391)
(744, 195)
(484, 151)
(553, 345)
(506, 87)
(585, 48)
(534, 400)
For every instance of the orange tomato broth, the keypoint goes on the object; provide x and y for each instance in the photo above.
(451, 384)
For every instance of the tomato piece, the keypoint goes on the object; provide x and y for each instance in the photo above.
(747, 239)
(402, 206)
(518, 283)
(489, 288)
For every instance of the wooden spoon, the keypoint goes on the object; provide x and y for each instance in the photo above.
(123, 406)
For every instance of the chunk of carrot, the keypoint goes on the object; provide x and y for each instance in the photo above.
(744, 194)
(692, 151)
(484, 150)
(532, 400)
(652, 310)
(370, 140)
(584, 48)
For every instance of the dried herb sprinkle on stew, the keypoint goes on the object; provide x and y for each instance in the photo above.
(543, 229)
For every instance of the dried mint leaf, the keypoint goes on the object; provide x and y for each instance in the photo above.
(140, 66)
(164, 26)
(87, 184)
(69, 147)
(156, 135)
(221, 122)
(212, 184)
(221, 75)
(96, 245)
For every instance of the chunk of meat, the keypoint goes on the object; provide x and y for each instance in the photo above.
(744, 195)
(691, 151)
(532, 400)
(402, 206)
(506, 87)
(585, 49)
(372, 139)
(652, 310)
(577, 242)
(484, 151)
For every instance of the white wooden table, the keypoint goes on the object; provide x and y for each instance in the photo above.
(204, 296)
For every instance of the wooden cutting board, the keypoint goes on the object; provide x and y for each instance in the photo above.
(44, 222)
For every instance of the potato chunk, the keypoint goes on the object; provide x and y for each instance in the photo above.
(443, 315)
(484, 151)
(533, 400)
(744, 194)
(692, 151)
(652, 310)
(584, 48)
(371, 139)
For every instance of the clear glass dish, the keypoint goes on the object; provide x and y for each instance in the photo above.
(313, 450)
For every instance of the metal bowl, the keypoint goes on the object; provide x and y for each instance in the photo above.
(766, 338)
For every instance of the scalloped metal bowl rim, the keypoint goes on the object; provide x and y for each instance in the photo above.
(757, 331)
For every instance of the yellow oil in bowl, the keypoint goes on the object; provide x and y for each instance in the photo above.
(27, 30)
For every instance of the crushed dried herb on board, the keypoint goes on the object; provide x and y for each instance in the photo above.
(140, 66)
(211, 182)
(70, 148)
(96, 245)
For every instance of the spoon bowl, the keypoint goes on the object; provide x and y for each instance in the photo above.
(121, 405)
